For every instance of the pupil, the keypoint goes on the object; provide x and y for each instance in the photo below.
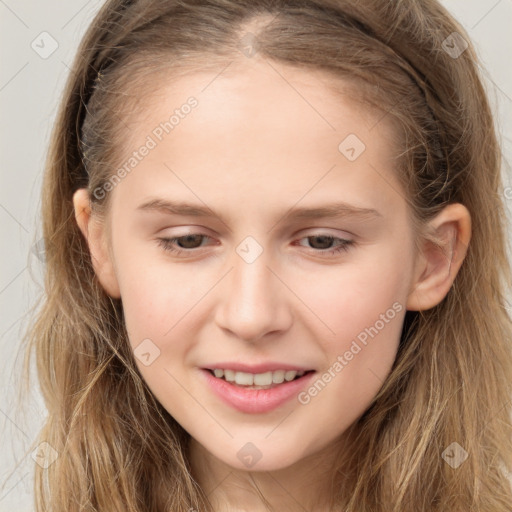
(327, 239)
(187, 239)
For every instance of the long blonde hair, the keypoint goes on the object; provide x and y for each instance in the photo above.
(119, 449)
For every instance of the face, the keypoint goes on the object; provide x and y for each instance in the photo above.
(296, 253)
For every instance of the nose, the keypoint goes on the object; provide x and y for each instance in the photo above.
(254, 301)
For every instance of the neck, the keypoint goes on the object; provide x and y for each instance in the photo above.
(307, 484)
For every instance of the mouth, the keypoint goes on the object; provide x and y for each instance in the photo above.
(257, 393)
(266, 380)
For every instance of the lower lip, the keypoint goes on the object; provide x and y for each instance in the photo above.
(256, 401)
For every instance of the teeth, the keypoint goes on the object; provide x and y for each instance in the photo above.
(244, 379)
(290, 375)
(257, 379)
(278, 376)
(229, 375)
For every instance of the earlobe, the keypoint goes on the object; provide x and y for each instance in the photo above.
(94, 232)
(438, 263)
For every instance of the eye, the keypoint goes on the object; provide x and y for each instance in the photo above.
(325, 242)
(188, 243)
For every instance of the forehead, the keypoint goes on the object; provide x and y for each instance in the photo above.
(262, 128)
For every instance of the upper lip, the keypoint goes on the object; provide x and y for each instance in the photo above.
(256, 368)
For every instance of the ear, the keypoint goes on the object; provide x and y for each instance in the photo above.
(94, 232)
(438, 263)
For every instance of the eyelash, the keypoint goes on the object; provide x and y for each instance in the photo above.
(344, 246)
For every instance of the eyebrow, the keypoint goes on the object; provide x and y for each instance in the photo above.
(330, 210)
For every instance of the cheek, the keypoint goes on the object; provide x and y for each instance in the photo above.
(153, 292)
(156, 299)
(159, 303)
(362, 308)
(158, 295)
(365, 308)
(350, 297)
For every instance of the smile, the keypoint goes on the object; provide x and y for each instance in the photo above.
(264, 380)
(251, 397)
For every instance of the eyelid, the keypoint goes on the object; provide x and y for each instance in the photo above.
(319, 231)
(187, 230)
(316, 231)
(341, 244)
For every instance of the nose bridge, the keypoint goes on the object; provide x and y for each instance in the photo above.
(251, 278)
(253, 301)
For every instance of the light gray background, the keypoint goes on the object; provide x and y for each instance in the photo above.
(30, 88)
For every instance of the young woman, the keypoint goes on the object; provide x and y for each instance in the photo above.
(276, 264)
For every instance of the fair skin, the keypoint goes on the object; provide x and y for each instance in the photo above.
(252, 149)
